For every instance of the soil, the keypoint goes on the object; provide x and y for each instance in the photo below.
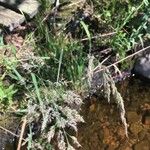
(103, 129)
(8, 122)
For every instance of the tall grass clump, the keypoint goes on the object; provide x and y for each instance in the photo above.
(55, 111)
(128, 19)
(6, 93)
(7, 90)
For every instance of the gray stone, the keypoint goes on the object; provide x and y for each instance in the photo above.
(142, 66)
(9, 18)
(13, 12)
(29, 7)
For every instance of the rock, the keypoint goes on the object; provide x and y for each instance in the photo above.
(15, 12)
(142, 145)
(9, 18)
(142, 67)
(28, 7)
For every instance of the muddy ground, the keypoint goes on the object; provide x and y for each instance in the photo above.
(103, 129)
(9, 123)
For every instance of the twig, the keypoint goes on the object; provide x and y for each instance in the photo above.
(100, 36)
(22, 132)
(105, 59)
(106, 51)
(119, 61)
(8, 131)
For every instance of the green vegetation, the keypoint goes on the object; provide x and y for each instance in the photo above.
(58, 61)
(6, 93)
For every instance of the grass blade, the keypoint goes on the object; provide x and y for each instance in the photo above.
(36, 87)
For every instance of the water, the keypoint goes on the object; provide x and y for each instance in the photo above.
(103, 129)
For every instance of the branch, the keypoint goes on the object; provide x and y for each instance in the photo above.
(119, 61)
(22, 133)
(8, 131)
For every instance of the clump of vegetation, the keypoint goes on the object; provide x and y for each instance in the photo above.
(55, 111)
(122, 17)
(66, 55)
(6, 93)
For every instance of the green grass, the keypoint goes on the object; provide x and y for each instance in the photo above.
(119, 16)
(6, 93)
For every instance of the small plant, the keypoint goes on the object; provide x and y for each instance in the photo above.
(6, 93)
(55, 112)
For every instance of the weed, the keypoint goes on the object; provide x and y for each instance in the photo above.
(6, 93)
(123, 41)
(58, 111)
